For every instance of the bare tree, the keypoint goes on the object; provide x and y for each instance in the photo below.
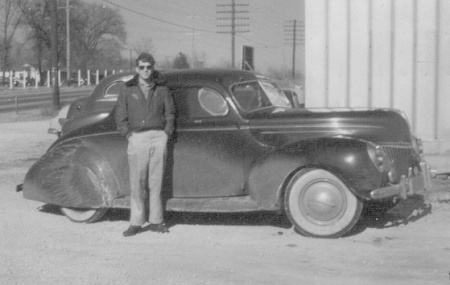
(10, 19)
(145, 44)
(41, 17)
(54, 48)
(95, 27)
(37, 18)
(96, 32)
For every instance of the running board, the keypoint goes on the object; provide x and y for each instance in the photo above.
(218, 204)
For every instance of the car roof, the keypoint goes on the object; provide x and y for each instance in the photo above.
(220, 75)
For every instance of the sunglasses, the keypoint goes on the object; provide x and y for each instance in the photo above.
(148, 67)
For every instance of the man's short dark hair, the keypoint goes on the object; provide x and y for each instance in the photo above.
(145, 57)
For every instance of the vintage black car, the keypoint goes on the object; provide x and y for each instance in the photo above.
(240, 145)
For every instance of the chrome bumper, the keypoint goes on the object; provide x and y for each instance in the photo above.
(416, 181)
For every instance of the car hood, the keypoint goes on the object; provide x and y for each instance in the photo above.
(275, 126)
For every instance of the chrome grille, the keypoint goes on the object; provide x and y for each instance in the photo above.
(400, 157)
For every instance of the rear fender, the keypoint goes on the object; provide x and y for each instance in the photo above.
(71, 175)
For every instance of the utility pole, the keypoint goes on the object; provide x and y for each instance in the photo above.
(54, 50)
(68, 41)
(67, 8)
(291, 31)
(193, 17)
(233, 24)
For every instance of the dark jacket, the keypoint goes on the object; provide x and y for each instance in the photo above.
(134, 113)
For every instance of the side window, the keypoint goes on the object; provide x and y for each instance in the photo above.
(195, 103)
(112, 91)
(250, 96)
(212, 102)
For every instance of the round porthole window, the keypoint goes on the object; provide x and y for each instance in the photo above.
(212, 102)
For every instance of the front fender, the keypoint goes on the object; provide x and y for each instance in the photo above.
(346, 158)
(71, 175)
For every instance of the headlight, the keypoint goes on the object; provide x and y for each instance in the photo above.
(378, 157)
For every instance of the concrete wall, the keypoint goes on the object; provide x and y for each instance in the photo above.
(382, 53)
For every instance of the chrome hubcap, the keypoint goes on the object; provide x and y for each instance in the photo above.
(322, 202)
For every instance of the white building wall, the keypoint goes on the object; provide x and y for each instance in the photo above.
(443, 86)
(380, 44)
(382, 53)
(358, 54)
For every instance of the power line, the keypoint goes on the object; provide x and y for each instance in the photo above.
(188, 27)
(261, 36)
(157, 19)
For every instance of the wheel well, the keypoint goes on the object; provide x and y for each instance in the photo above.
(319, 204)
(282, 191)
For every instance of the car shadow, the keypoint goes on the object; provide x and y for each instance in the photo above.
(188, 218)
(227, 219)
(405, 212)
(116, 214)
(50, 209)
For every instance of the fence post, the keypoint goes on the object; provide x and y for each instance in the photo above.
(10, 80)
(16, 103)
(36, 79)
(79, 78)
(106, 73)
(96, 77)
(48, 78)
(88, 77)
(24, 79)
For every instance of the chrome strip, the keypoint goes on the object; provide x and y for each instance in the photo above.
(331, 125)
(216, 129)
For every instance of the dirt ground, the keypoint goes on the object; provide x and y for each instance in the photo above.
(408, 245)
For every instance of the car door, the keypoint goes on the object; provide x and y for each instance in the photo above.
(212, 150)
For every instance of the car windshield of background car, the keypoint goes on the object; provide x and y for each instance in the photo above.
(275, 95)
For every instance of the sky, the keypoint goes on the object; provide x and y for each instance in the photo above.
(190, 27)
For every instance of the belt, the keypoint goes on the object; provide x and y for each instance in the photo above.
(147, 129)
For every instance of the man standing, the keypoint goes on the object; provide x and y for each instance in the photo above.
(145, 116)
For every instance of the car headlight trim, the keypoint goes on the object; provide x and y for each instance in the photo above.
(379, 158)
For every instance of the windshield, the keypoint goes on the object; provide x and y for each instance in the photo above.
(254, 95)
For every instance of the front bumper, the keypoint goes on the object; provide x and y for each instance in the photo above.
(416, 181)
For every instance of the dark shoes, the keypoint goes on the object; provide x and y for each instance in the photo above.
(159, 228)
(131, 231)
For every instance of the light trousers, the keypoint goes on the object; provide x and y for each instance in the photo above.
(146, 157)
